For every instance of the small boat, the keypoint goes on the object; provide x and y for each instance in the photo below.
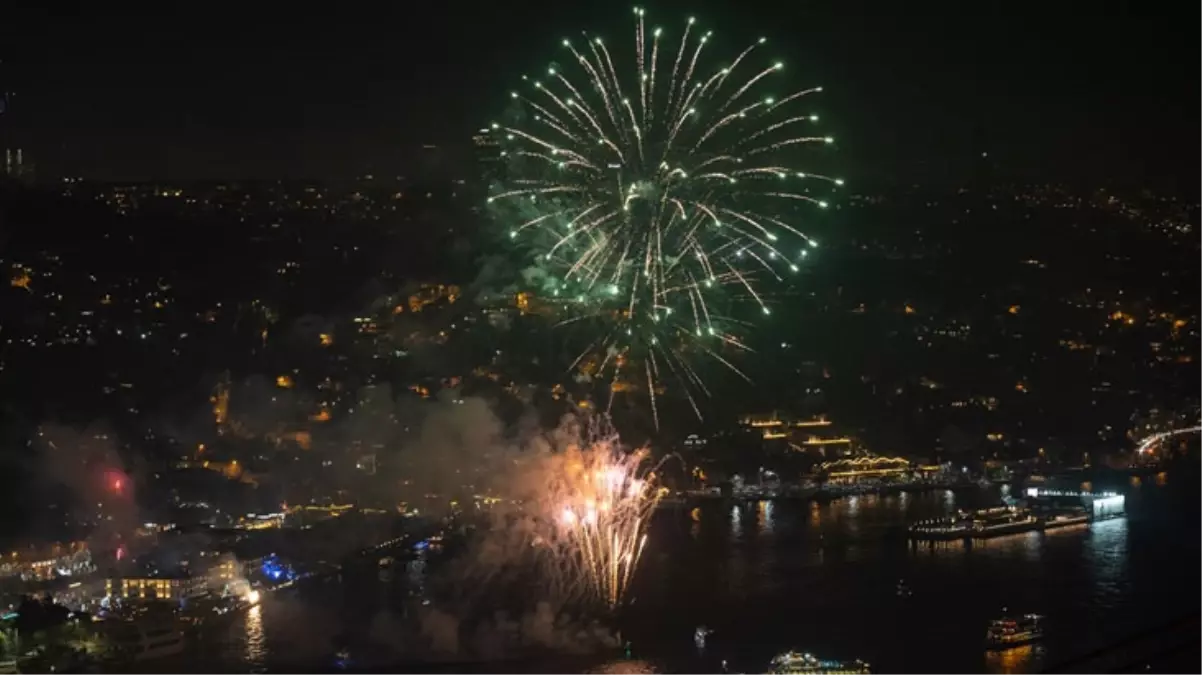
(700, 635)
(1007, 632)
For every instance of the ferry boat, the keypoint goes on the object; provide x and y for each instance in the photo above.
(1008, 632)
(808, 664)
(939, 529)
(980, 524)
(1002, 520)
(1065, 520)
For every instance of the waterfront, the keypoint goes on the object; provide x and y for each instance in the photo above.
(822, 577)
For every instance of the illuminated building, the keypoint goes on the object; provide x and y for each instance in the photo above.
(261, 521)
(47, 563)
(850, 470)
(151, 589)
(808, 435)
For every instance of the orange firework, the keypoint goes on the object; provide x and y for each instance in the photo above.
(600, 500)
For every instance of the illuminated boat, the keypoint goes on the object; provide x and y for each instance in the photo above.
(1002, 520)
(1008, 632)
(795, 662)
(940, 529)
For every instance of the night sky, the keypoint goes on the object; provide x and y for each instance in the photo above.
(1093, 92)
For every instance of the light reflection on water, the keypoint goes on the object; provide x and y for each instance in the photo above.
(763, 513)
(1021, 659)
(627, 667)
(256, 642)
(771, 576)
(1106, 555)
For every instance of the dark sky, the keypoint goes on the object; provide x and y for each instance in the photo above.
(1088, 91)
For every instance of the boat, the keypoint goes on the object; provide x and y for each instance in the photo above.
(700, 635)
(1065, 520)
(796, 662)
(1001, 520)
(1008, 632)
(147, 641)
(939, 529)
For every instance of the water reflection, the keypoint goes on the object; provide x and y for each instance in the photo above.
(1106, 553)
(763, 516)
(1022, 659)
(415, 571)
(624, 668)
(760, 592)
(256, 642)
(1027, 545)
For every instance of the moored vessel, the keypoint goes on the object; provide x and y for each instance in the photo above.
(1007, 632)
(796, 662)
(147, 640)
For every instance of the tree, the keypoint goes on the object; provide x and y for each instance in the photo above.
(10, 644)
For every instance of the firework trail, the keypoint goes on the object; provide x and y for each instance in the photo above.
(658, 194)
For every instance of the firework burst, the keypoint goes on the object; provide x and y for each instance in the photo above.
(657, 195)
(598, 501)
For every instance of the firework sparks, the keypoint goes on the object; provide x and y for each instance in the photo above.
(657, 194)
(598, 501)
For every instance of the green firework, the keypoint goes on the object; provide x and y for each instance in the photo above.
(657, 195)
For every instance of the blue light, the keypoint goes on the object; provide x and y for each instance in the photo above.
(273, 569)
(421, 545)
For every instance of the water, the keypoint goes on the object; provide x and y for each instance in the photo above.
(773, 576)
